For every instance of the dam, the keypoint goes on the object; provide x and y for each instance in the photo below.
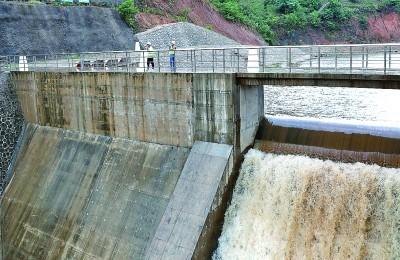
(114, 164)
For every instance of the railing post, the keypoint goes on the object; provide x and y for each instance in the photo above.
(104, 62)
(191, 60)
(263, 58)
(390, 57)
(363, 58)
(385, 62)
(336, 61)
(290, 60)
(351, 59)
(310, 59)
(194, 61)
(366, 58)
(223, 54)
(144, 62)
(213, 60)
(127, 62)
(158, 61)
(319, 59)
(238, 66)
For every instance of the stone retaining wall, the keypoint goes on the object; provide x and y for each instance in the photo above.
(11, 122)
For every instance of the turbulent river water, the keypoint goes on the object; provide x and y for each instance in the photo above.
(295, 207)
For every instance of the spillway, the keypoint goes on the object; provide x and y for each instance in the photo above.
(141, 166)
(78, 195)
(295, 207)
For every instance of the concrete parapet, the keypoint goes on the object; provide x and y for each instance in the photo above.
(164, 108)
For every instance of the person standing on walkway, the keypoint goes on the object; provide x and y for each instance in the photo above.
(172, 51)
(150, 56)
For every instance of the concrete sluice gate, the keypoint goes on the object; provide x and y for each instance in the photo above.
(141, 166)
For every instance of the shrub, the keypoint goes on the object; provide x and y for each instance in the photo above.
(288, 6)
(315, 19)
(363, 23)
(232, 10)
(210, 27)
(127, 9)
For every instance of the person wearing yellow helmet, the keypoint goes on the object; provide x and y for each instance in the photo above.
(172, 50)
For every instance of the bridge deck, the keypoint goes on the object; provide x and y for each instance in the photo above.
(381, 59)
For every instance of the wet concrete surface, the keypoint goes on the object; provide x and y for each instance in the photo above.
(83, 196)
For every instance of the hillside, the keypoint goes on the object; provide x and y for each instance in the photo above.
(310, 21)
(200, 12)
(44, 29)
(282, 21)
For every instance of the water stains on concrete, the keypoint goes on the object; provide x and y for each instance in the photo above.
(83, 196)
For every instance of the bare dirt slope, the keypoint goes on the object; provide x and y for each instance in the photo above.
(201, 13)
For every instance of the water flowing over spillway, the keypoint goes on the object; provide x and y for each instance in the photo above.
(295, 207)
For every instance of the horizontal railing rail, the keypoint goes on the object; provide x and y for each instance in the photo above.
(343, 59)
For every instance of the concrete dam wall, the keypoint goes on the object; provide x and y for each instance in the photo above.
(83, 196)
(139, 166)
(67, 184)
(42, 29)
(124, 166)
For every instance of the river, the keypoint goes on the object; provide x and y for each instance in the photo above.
(368, 105)
(295, 207)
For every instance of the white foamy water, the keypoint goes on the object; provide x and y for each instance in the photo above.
(294, 207)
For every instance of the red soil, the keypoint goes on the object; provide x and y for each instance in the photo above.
(202, 14)
(147, 21)
(384, 28)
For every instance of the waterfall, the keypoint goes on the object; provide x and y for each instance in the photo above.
(295, 207)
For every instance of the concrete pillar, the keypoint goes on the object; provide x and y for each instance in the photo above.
(141, 57)
(251, 113)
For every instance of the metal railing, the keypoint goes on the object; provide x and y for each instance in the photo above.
(343, 59)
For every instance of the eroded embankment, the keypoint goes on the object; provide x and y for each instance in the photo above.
(76, 195)
(294, 207)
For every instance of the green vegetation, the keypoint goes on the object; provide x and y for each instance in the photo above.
(35, 2)
(276, 17)
(210, 27)
(127, 9)
(183, 15)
